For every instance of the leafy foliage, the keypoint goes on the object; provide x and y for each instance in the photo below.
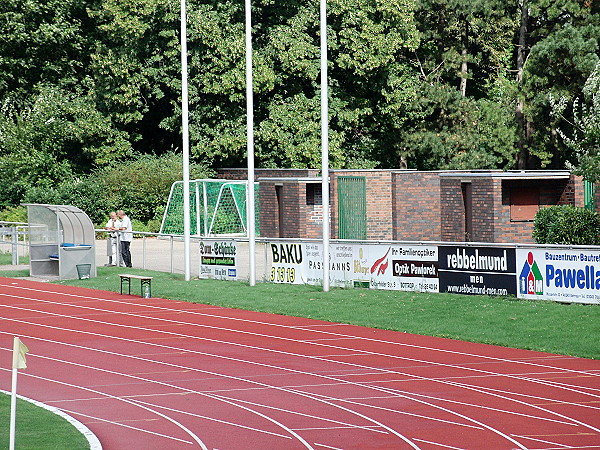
(140, 187)
(85, 84)
(566, 224)
(585, 138)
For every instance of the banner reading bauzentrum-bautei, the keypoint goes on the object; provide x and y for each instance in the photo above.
(560, 275)
(376, 266)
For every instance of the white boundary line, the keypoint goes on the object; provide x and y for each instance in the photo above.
(89, 435)
(315, 397)
(381, 389)
(487, 373)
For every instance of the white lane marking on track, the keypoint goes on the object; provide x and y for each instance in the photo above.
(545, 399)
(274, 337)
(392, 431)
(437, 444)
(187, 413)
(393, 392)
(345, 425)
(489, 408)
(315, 397)
(542, 441)
(120, 424)
(114, 397)
(195, 391)
(362, 338)
(137, 403)
(327, 446)
(321, 358)
(317, 358)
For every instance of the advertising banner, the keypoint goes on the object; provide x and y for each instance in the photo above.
(287, 262)
(477, 270)
(340, 264)
(218, 259)
(404, 267)
(375, 266)
(560, 275)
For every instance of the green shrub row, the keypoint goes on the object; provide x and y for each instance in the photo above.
(140, 187)
(566, 224)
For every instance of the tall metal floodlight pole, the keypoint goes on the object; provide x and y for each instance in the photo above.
(324, 145)
(250, 147)
(186, 144)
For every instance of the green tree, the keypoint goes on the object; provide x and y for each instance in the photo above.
(57, 137)
(367, 40)
(42, 42)
(558, 51)
(459, 117)
(584, 137)
(134, 65)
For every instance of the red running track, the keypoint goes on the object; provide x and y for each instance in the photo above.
(161, 374)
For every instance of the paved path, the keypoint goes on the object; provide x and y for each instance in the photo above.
(167, 255)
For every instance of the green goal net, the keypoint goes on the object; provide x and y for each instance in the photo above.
(217, 207)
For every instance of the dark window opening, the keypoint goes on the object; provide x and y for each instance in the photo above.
(279, 196)
(314, 194)
(467, 195)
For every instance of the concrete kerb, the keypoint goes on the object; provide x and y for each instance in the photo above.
(89, 435)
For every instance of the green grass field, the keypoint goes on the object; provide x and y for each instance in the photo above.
(38, 428)
(6, 258)
(569, 329)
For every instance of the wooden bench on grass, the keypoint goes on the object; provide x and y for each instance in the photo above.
(144, 281)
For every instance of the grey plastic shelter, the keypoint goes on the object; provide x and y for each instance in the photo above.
(62, 242)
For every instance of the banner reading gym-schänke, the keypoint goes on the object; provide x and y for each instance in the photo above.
(559, 275)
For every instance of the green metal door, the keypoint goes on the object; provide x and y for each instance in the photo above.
(589, 195)
(352, 207)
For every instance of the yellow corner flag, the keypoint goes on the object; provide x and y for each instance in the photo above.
(19, 350)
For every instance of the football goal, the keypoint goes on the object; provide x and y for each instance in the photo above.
(217, 207)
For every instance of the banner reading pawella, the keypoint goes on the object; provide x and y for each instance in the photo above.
(560, 275)
(477, 270)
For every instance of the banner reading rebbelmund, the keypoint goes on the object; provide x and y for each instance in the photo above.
(477, 270)
(560, 275)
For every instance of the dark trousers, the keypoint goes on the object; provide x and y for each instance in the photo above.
(125, 253)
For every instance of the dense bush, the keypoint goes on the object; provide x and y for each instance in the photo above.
(141, 187)
(566, 225)
(14, 214)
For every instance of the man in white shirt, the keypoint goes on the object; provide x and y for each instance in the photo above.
(112, 226)
(126, 237)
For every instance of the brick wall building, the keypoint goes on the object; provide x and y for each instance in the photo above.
(407, 205)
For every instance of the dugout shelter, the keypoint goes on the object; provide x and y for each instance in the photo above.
(62, 242)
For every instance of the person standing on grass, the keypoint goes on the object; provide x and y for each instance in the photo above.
(126, 237)
(112, 226)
